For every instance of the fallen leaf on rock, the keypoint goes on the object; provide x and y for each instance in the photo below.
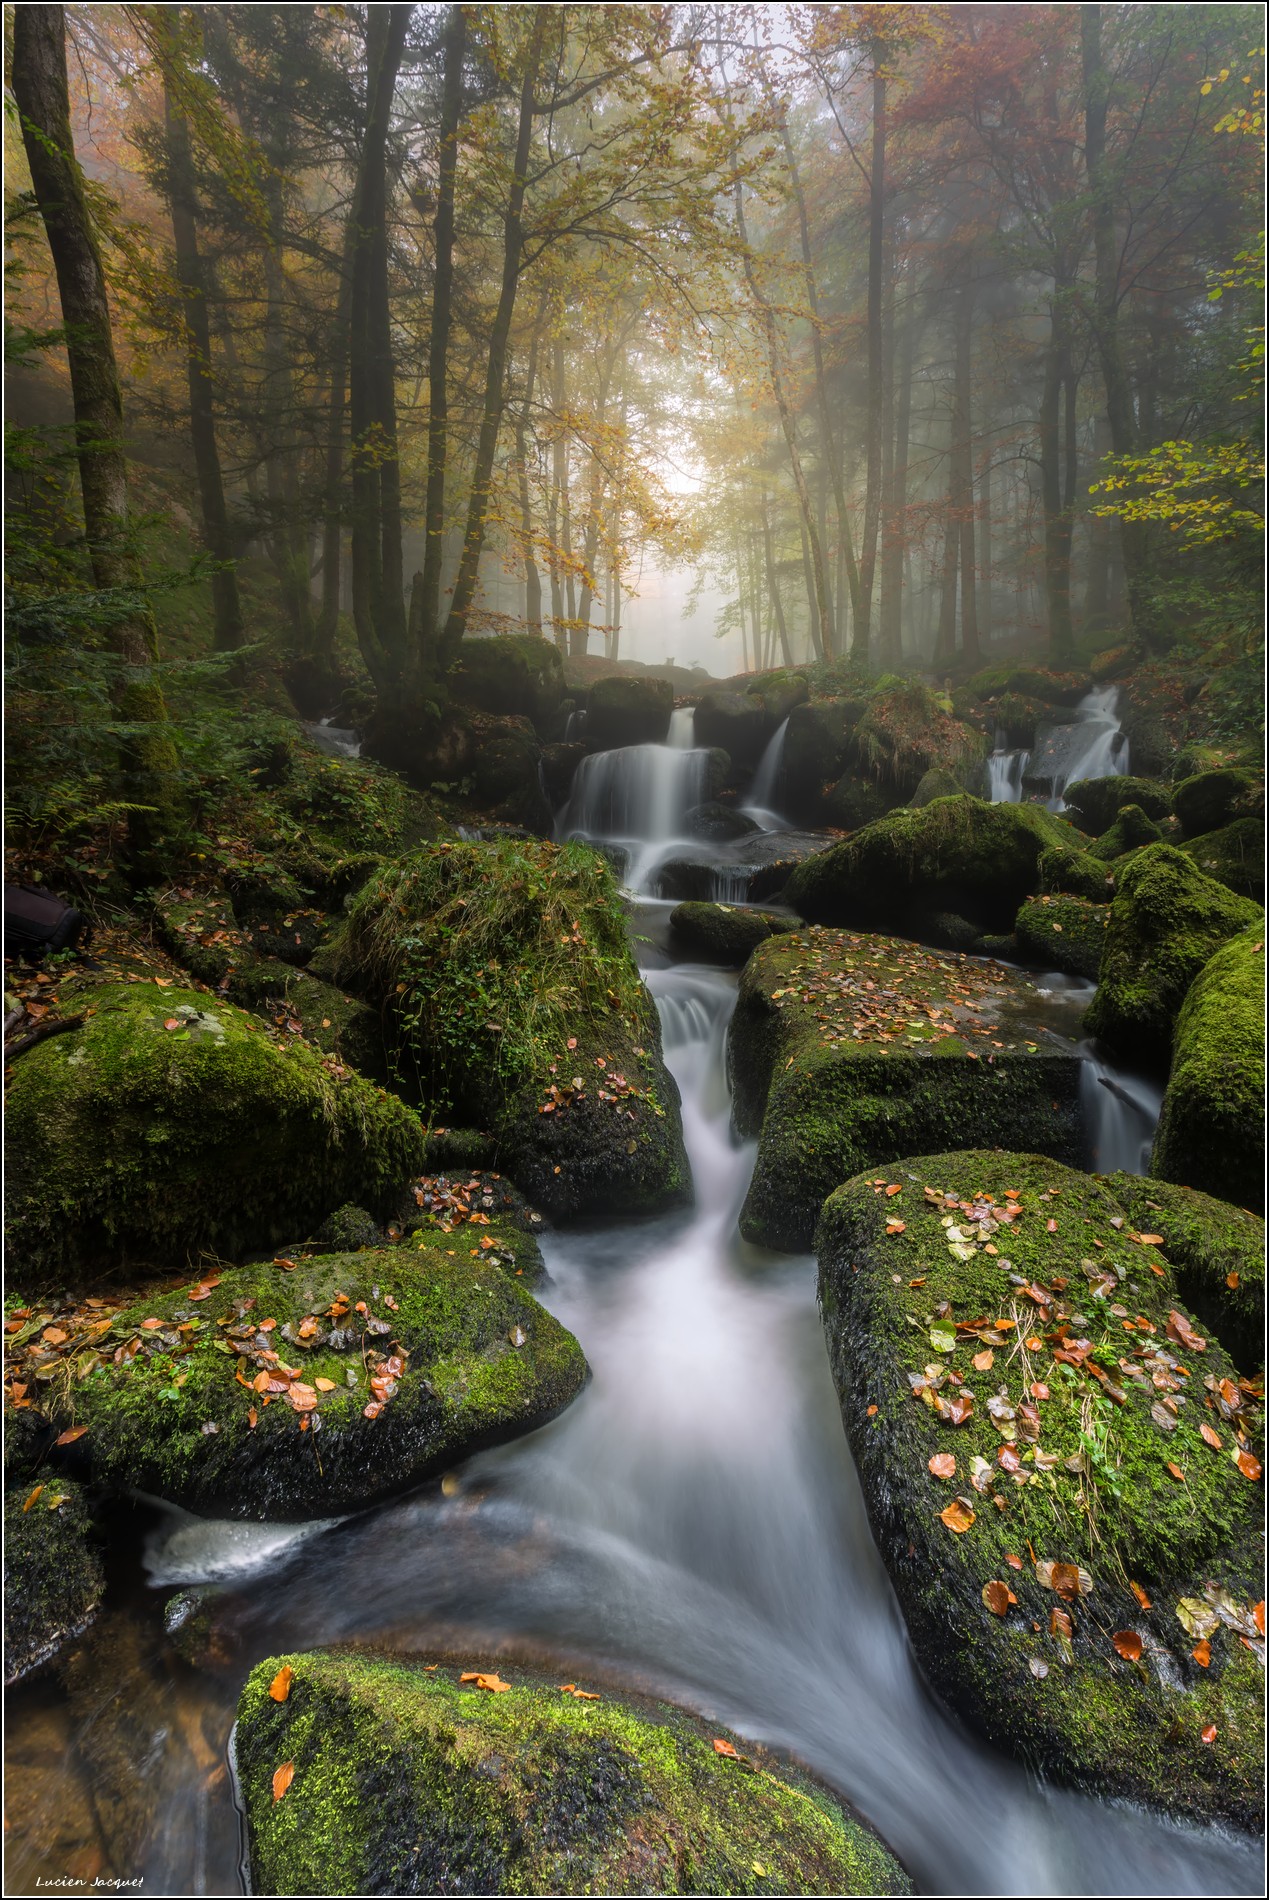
(147, 1326)
(280, 1687)
(998, 1596)
(984, 1361)
(1140, 1595)
(1209, 1733)
(1183, 1334)
(1127, 1644)
(1015, 1563)
(1202, 1653)
(958, 1516)
(1210, 1437)
(1197, 1618)
(1038, 1668)
(896, 1227)
(1259, 1615)
(943, 1464)
(1231, 1281)
(1247, 1463)
(69, 1437)
(324, 1385)
(725, 1748)
(1177, 1472)
(282, 1779)
(31, 1500)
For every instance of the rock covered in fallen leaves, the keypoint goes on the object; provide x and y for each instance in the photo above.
(1211, 1132)
(848, 1050)
(378, 1774)
(296, 1390)
(1007, 1311)
(725, 933)
(1217, 1254)
(956, 855)
(53, 1579)
(172, 1122)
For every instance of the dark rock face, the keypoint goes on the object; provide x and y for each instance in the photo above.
(510, 673)
(53, 1579)
(628, 711)
(719, 822)
(1208, 800)
(972, 1322)
(815, 754)
(559, 763)
(738, 724)
(722, 933)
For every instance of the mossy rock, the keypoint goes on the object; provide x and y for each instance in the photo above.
(1095, 803)
(53, 1579)
(1211, 1132)
(1217, 1254)
(470, 1203)
(1166, 920)
(1019, 717)
(1130, 832)
(1094, 1486)
(1062, 868)
(906, 732)
(629, 710)
(478, 1361)
(736, 722)
(778, 693)
(815, 752)
(405, 1779)
(328, 1017)
(348, 1230)
(723, 933)
(1055, 686)
(846, 1052)
(938, 783)
(1234, 856)
(1152, 743)
(509, 673)
(519, 1008)
(855, 802)
(1066, 933)
(957, 854)
(1209, 800)
(467, 1148)
(202, 932)
(559, 767)
(170, 1123)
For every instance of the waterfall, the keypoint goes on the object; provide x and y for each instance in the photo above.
(637, 796)
(1120, 1113)
(765, 780)
(1092, 746)
(1005, 771)
(682, 734)
(341, 741)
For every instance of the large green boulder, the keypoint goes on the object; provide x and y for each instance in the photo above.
(1212, 1130)
(1130, 832)
(815, 752)
(509, 673)
(399, 1776)
(171, 1122)
(1095, 803)
(1208, 800)
(1234, 856)
(1047, 1444)
(725, 933)
(315, 1386)
(629, 710)
(1166, 920)
(956, 854)
(848, 1051)
(53, 1579)
(1063, 933)
(1065, 868)
(906, 731)
(518, 1007)
(1217, 1253)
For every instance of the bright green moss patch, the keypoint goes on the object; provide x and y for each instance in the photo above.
(1131, 830)
(1066, 933)
(846, 1051)
(1167, 919)
(1234, 856)
(1076, 873)
(1208, 800)
(53, 1579)
(1095, 803)
(1212, 1130)
(442, 1342)
(1080, 1381)
(518, 1006)
(1217, 1253)
(170, 1123)
(724, 933)
(407, 1780)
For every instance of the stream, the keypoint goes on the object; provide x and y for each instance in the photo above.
(692, 1525)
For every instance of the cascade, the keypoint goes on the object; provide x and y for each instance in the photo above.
(682, 733)
(637, 797)
(762, 792)
(1092, 746)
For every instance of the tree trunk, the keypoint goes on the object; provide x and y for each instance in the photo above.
(478, 503)
(532, 578)
(875, 416)
(226, 606)
(1097, 592)
(945, 646)
(776, 603)
(1057, 518)
(963, 464)
(289, 531)
(42, 96)
(333, 483)
(438, 340)
(986, 622)
(896, 501)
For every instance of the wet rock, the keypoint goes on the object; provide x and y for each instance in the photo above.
(815, 753)
(1212, 1129)
(737, 723)
(1234, 856)
(723, 933)
(509, 673)
(719, 822)
(1063, 933)
(686, 880)
(171, 1123)
(907, 731)
(1130, 831)
(324, 1015)
(427, 747)
(848, 1051)
(1217, 1254)
(522, 1790)
(473, 1203)
(559, 763)
(628, 710)
(1055, 1464)
(855, 802)
(53, 1579)
(468, 1148)
(957, 854)
(1094, 803)
(380, 1368)
(347, 1230)
(778, 694)
(1166, 920)
(951, 932)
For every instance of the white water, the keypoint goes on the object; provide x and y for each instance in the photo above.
(342, 741)
(761, 806)
(682, 734)
(1121, 1112)
(1093, 747)
(637, 797)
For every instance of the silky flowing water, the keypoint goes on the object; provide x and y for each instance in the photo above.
(691, 1525)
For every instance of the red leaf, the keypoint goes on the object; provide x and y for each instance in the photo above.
(1128, 1644)
(725, 1748)
(1209, 1733)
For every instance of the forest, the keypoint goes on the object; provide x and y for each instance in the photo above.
(634, 661)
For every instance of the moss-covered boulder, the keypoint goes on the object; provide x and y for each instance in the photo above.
(1064, 933)
(724, 933)
(1095, 803)
(1212, 1130)
(957, 854)
(1208, 800)
(1063, 868)
(630, 709)
(1131, 831)
(1234, 856)
(401, 1777)
(1166, 920)
(507, 780)
(1047, 1444)
(53, 1579)
(1217, 1255)
(815, 753)
(906, 732)
(846, 1052)
(937, 783)
(518, 1006)
(509, 673)
(559, 767)
(304, 1390)
(855, 802)
(171, 1122)
(778, 693)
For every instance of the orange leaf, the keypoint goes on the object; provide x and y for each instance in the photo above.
(1140, 1595)
(1258, 1614)
(494, 1684)
(998, 1596)
(282, 1779)
(943, 1464)
(1209, 1733)
(872, 1411)
(896, 1187)
(1182, 1333)
(1149, 1240)
(68, 1438)
(1202, 1653)
(151, 1325)
(1210, 1437)
(31, 1500)
(1127, 1644)
(1248, 1464)
(324, 1385)
(984, 1361)
(1231, 1281)
(896, 1227)
(725, 1748)
(1015, 1563)
(253, 1417)
(280, 1687)
(173, 1022)
(958, 1516)
(1177, 1472)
